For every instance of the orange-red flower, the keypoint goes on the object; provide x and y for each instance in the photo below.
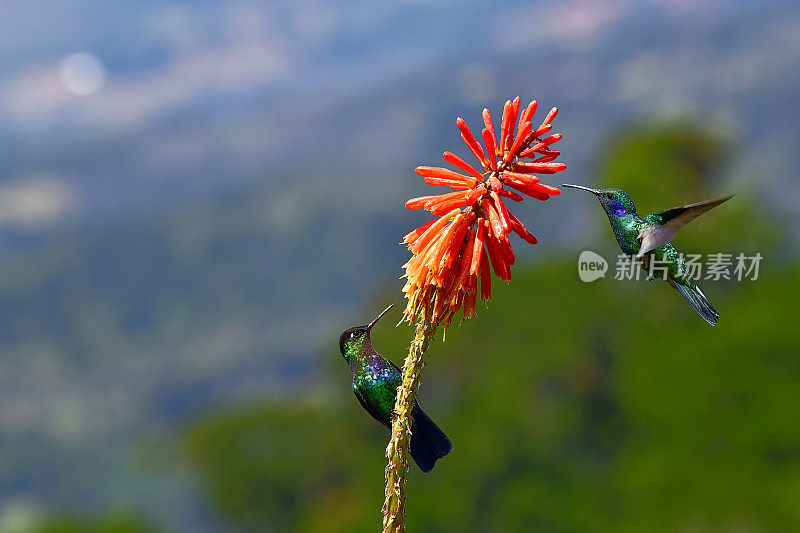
(453, 251)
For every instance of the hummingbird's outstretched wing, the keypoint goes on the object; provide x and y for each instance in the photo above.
(666, 223)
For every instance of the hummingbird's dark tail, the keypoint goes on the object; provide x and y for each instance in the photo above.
(428, 442)
(698, 301)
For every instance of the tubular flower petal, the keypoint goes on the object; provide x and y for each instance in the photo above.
(477, 249)
(491, 148)
(510, 194)
(419, 202)
(528, 113)
(487, 121)
(486, 277)
(454, 160)
(470, 237)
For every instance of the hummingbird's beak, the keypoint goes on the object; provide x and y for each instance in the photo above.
(369, 327)
(593, 191)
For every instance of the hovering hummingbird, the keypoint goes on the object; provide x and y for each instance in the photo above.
(375, 383)
(648, 237)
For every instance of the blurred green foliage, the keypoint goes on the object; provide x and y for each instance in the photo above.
(572, 407)
(608, 406)
(111, 523)
(663, 161)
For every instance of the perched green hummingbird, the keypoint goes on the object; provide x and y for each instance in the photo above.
(375, 383)
(648, 238)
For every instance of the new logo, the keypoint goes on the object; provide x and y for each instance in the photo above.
(591, 266)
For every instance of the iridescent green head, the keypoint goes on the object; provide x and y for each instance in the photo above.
(615, 202)
(355, 341)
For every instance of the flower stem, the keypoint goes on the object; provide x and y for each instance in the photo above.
(394, 515)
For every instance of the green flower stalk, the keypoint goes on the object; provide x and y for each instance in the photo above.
(397, 450)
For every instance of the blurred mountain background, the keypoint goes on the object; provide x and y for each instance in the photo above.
(196, 204)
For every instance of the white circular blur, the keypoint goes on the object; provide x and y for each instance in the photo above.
(82, 74)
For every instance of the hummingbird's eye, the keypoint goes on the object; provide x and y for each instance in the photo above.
(610, 196)
(354, 334)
